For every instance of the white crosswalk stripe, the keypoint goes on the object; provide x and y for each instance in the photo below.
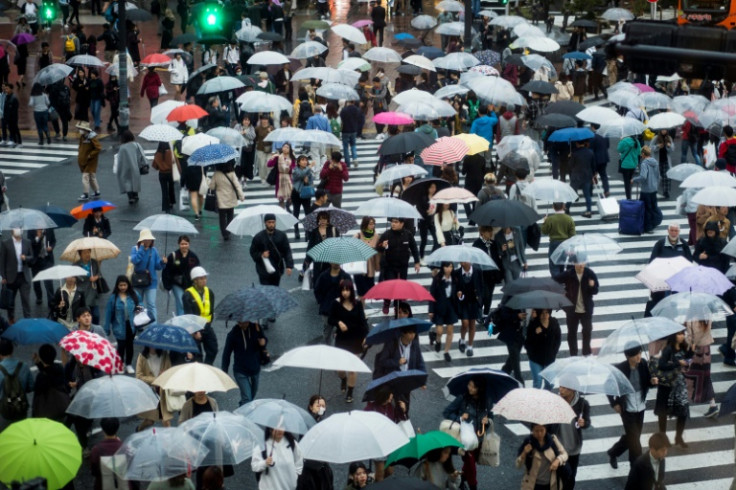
(18, 161)
(708, 463)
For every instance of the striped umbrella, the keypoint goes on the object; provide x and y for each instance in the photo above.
(445, 150)
(341, 250)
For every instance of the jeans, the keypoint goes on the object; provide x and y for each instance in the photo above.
(147, 297)
(209, 343)
(298, 203)
(537, 380)
(554, 269)
(573, 320)
(348, 143)
(601, 171)
(248, 385)
(587, 189)
(42, 124)
(125, 346)
(96, 108)
(693, 148)
(652, 213)
(178, 292)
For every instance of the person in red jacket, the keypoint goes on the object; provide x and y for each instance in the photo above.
(727, 150)
(335, 172)
(150, 86)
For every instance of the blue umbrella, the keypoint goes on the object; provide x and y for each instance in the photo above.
(167, 337)
(60, 216)
(212, 155)
(254, 303)
(36, 331)
(430, 52)
(397, 382)
(388, 330)
(497, 384)
(577, 55)
(403, 35)
(566, 135)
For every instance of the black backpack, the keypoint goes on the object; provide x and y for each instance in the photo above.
(14, 404)
(305, 112)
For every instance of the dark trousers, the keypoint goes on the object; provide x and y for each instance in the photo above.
(168, 196)
(629, 441)
(489, 285)
(296, 203)
(82, 427)
(287, 28)
(728, 353)
(125, 346)
(603, 175)
(209, 343)
(47, 285)
(469, 208)
(75, 14)
(64, 116)
(270, 279)
(513, 361)
(652, 213)
(226, 216)
(42, 124)
(679, 426)
(426, 226)
(13, 130)
(378, 31)
(21, 285)
(554, 269)
(388, 273)
(664, 180)
(627, 175)
(573, 320)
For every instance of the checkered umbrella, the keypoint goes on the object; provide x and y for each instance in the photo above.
(445, 150)
(161, 133)
(212, 155)
(341, 250)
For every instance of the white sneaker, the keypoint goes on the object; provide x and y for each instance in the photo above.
(129, 369)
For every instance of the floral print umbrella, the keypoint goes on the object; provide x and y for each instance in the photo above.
(93, 350)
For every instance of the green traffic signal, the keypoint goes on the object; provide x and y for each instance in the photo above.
(48, 12)
(211, 18)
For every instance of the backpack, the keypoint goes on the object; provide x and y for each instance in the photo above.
(69, 45)
(731, 154)
(14, 404)
(305, 112)
(335, 126)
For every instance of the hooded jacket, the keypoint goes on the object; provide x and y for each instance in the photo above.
(508, 124)
(648, 175)
(712, 248)
(484, 126)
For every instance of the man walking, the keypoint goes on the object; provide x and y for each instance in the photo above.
(649, 179)
(378, 15)
(10, 366)
(599, 145)
(582, 170)
(199, 300)
(16, 257)
(271, 252)
(581, 284)
(647, 472)
(42, 246)
(263, 148)
(666, 248)
(352, 124)
(245, 341)
(87, 157)
(11, 106)
(318, 121)
(559, 227)
(398, 245)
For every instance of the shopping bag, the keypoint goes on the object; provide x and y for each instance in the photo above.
(607, 206)
(183, 200)
(490, 449)
(162, 90)
(468, 438)
(709, 155)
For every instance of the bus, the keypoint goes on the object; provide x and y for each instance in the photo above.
(720, 13)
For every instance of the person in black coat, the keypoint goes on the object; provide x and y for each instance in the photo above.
(42, 245)
(490, 277)
(583, 280)
(271, 245)
(443, 310)
(326, 291)
(670, 246)
(10, 114)
(50, 392)
(599, 145)
(398, 246)
(708, 249)
(642, 475)
(469, 301)
(378, 15)
(401, 354)
(474, 168)
(582, 170)
(543, 338)
(510, 324)
(96, 224)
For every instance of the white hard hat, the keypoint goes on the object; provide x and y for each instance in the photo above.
(198, 272)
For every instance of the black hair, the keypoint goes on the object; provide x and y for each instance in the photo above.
(483, 110)
(127, 136)
(37, 89)
(162, 147)
(6, 347)
(81, 311)
(185, 238)
(336, 156)
(319, 194)
(434, 456)
(110, 425)
(131, 292)
(728, 130)
(288, 435)
(347, 284)
(47, 353)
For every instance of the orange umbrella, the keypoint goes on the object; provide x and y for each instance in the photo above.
(186, 112)
(156, 59)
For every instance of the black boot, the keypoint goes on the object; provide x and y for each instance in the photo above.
(349, 395)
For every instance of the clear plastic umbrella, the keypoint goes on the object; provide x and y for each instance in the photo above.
(257, 101)
(52, 74)
(450, 91)
(327, 74)
(350, 33)
(550, 190)
(113, 396)
(190, 144)
(220, 84)
(688, 306)
(508, 21)
(616, 14)
(488, 13)
(387, 207)
(700, 279)
(423, 22)
(456, 61)
(382, 55)
(191, 323)
(307, 50)
(224, 437)
(597, 114)
(665, 120)
(683, 171)
(59, 273)
(541, 44)
(421, 61)
(163, 133)
(412, 95)
(248, 33)
(277, 414)
(322, 357)
(624, 98)
(495, 90)
(637, 332)
(586, 248)
(521, 30)
(537, 61)
(461, 253)
(249, 221)
(716, 196)
(427, 110)
(708, 178)
(267, 58)
(25, 219)
(337, 91)
(398, 172)
(227, 136)
(354, 64)
(451, 29)
(298, 135)
(655, 100)
(86, 61)
(694, 102)
(621, 128)
(516, 143)
(167, 223)
(588, 375)
(450, 6)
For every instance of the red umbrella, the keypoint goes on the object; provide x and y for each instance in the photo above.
(156, 59)
(399, 289)
(444, 150)
(93, 350)
(186, 112)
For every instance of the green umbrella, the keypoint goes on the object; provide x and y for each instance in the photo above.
(39, 447)
(420, 445)
(341, 251)
(314, 24)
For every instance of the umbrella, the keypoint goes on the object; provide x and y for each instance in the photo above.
(588, 375)
(585, 23)
(488, 13)
(708, 178)
(257, 101)
(535, 406)
(538, 300)
(26, 219)
(396, 382)
(101, 249)
(220, 84)
(191, 323)
(421, 61)
(527, 284)
(655, 100)
(567, 135)
(298, 135)
(426, 110)
(655, 274)
(250, 220)
(576, 55)
(195, 377)
(138, 15)
(84, 210)
(567, 107)
(60, 216)
(420, 445)
(694, 102)
(337, 91)
(539, 87)
(322, 357)
(53, 73)
(183, 39)
(277, 414)
(85, 60)
(352, 436)
(167, 337)
(352, 34)
(171, 53)
(615, 14)
(387, 207)
(160, 111)
(161, 132)
(35, 331)
(537, 61)
(621, 128)
(461, 253)
(343, 220)
(683, 171)
(156, 59)
(535, 43)
(92, 350)
(700, 279)
(389, 329)
(495, 90)
(516, 143)
(113, 396)
(362, 23)
(270, 36)
(624, 98)
(253, 303)
(730, 248)
(157, 454)
(393, 118)
(497, 384)
(639, 331)
(453, 195)
(22, 38)
(556, 121)
(451, 29)
(419, 189)
(166, 223)
(405, 36)
(527, 30)
(444, 150)
(307, 50)
(504, 213)
(382, 55)
(597, 115)
(456, 61)
(412, 95)
(550, 190)
(586, 248)
(692, 306)
(327, 74)
(267, 58)
(315, 24)
(423, 22)
(227, 136)
(716, 196)
(39, 447)
(186, 112)
(409, 70)
(476, 144)
(192, 143)
(354, 64)
(202, 69)
(399, 289)
(488, 57)
(59, 273)
(515, 161)
(341, 250)
(450, 6)
(229, 438)
(402, 483)
(212, 155)
(728, 402)
(486, 70)
(595, 41)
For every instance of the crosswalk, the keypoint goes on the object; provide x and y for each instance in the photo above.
(15, 162)
(708, 463)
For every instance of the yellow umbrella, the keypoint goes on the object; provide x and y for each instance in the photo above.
(477, 144)
(195, 377)
(101, 249)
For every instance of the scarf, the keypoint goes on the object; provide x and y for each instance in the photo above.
(536, 446)
(367, 234)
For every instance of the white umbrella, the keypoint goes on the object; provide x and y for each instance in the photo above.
(666, 120)
(488, 13)
(323, 357)
(194, 377)
(268, 58)
(615, 14)
(352, 436)
(456, 61)
(337, 91)
(508, 21)
(709, 178)
(59, 273)
(550, 190)
(654, 276)
(220, 84)
(227, 136)
(354, 64)
(423, 22)
(167, 223)
(729, 249)
(694, 102)
(541, 44)
(716, 196)
(113, 396)
(450, 6)
(388, 207)
(624, 98)
(496, 90)
(307, 50)
(382, 55)
(420, 61)
(248, 33)
(461, 253)
(298, 135)
(352, 34)
(597, 114)
(412, 95)
(192, 143)
(327, 74)
(587, 248)
(450, 91)
(451, 29)
(654, 100)
(626, 86)
(160, 111)
(190, 323)
(535, 406)
(398, 172)
(257, 101)
(163, 133)
(522, 30)
(249, 221)
(536, 61)
(621, 128)
(427, 110)
(683, 171)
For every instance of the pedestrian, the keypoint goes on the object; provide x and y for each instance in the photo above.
(163, 161)
(199, 403)
(347, 317)
(103, 452)
(628, 150)
(708, 249)
(377, 94)
(384, 402)
(357, 476)
(82, 102)
(352, 124)
(559, 227)
(146, 261)
(87, 158)
(92, 284)
(199, 300)
(570, 435)
(16, 258)
(326, 292)
(317, 406)
(318, 121)
(151, 364)
(400, 354)
(334, 172)
(50, 393)
(581, 284)
(179, 74)
(672, 396)
(282, 81)
(698, 377)
(244, 170)
(119, 314)
(67, 299)
(96, 98)
(541, 455)
(447, 225)
(40, 103)
(150, 86)
(484, 127)
(60, 98)
(582, 171)
(167, 29)
(303, 189)
(279, 465)
(670, 246)
(10, 366)
(4, 66)
(649, 178)
(510, 248)
(132, 44)
(443, 311)
(11, 106)
(469, 300)
(289, 9)
(176, 274)
(42, 249)
(663, 144)
(131, 165)
(271, 252)
(284, 163)
(110, 38)
(245, 342)
(263, 148)
(631, 406)
(112, 95)
(426, 225)
(228, 194)
(542, 344)
(397, 245)
(489, 191)
(96, 224)
(647, 472)
(599, 145)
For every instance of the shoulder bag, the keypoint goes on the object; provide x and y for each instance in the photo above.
(273, 174)
(306, 192)
(141, 279)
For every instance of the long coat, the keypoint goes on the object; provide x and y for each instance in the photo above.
(530, 475)
(89, 151)
(227, 189)
(130, 161)
(144, 373)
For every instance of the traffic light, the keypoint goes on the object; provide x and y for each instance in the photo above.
(48, 11)
(211, 18)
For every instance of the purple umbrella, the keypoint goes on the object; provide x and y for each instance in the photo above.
(700, 279)
(22, 38)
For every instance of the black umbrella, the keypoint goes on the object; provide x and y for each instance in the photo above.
(515, 161)
(556, 121)
(504, 212)
(203, 69)
(538, 300)
(409, 69)
(514, 59)
(138, 15)
(60, 216)
(405, 143)
(402, 483)
(566, 107)
(213, 40)
(249, 80)
(415, 191)
(397, 382)
(270, 36)
(588, 24)
(527, 284)
(540, 87)
(410, 43)
(593, 41)
(183, 39)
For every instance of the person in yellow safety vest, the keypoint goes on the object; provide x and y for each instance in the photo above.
(200, 300)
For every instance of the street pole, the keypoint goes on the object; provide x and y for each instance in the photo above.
(468, 40)
(124, 115)
(507, 8)
(653, 10)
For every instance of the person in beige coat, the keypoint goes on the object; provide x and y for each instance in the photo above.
(151, 363)
(228, 192)
(541, 454)
(201, 402)
(565, 89)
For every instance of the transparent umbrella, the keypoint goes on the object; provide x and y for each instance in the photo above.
(597, 114)
(226, 438)
(428, 109)
(26, 219)
(250, 220)
(354, 64)
(683, 171)
(450, 6)
(637, 332)
(52, 73)
(327, 74)
(683, 103)
(398, 172)
(687, 306)
(666, 120)
(248, 33)
(508, 21)
(516, 143)
(621, 128)
(423, 22)
(708, 178)
(277, 414)
(191, 323)
(615, 14)
(307, 50)
(382, 55)
(586, 248)
(450, 91)
(268, 58)
(654, 276)
(258, 101)
(461, 253)
(456, 61)
(451, 29)
(588, 375)
(387, 207)
(550, 190)
(700, 279)
(190, 144)
(352, 34)
(716, 196)
(412, 95)
(113, 396)
(541, 44)
(227, 136)
(337, 91)
(624, 98)
(655, 100)
(421, 61)
(495, 90)
(220, 84)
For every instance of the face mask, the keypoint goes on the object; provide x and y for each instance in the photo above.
(321, 411)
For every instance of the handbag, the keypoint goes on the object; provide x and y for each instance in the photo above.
(141, 318)
(490, 449)
(102, 286)
(140, 279)
(174, 400)
(7, 299)
(273, 175)
(162, 90)
(144, 169)
(210, 201)
(468, 437)
(204, 185)
(175, 174)
(307, 192)
(451, 427)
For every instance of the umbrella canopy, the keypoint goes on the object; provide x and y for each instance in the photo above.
(343, 220)
(567, 135)
(426, 110)
(22, 38)
(60, 216)
(730, 249)
(59, 273)
(654, 276)
(420, 61)
(567, 107)
(220, 84)
(692, 306)
(390, 329)
(516, 143)
(227, 437)
(35, 331)
(683, 171)
(267, 58)
(586, 248)
(186, 112)
(488, 57)
(337, 91)
(453, 195)
(450, 6)
(250, 220)
(166, 223)
(52, 73)
(656, 100)
(321, 357)
(92, 350)
(708, 178)
(486, 70)
(535, 406)
(184, 39)
(588, 375)
(504, 213)
(393, 118)
(334, 439)
(419, 189)
(195, 377)
(527, 284)
(254, 303)
(615, 14)
(382, 55)
(354, 64)
(26, 219)
(476, 144)
(621, 128)
(86, 61)
(694, 102)
(550, 190)
(456, 61)
(637, 332)
(495, 90)
(296, 135)
(277, 414)
(212, 155)
(160, 111)
(161, 132)
(191, 323)
(420, 445)
(167, 337)
(536, 43)
(444, 150)
(405, 143)
(352, 34)
(716, 196)
(257, 101)
(538, 300)
(451, 29)
(597, 115)
(461, 253)
(113, 396)
(39, 447)
(101, 249)
(399, 289)
(577, 55)
(341, 250)
(228, 136)
(556, 121)
(202, 69)
(327, 74)
(396, 382)
(84, 210)
(539, 87)
(423, 22)
(388, 207)
(497, 384)
(700, 279)
(156, 59)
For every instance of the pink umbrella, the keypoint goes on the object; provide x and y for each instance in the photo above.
(362, 23)
(453, 195)
(643, 87)
(93, 350)
(444, 150)
(393, 118)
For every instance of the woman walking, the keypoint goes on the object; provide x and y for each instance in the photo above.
(445, 222)
(510, 246)
(323, 231)
(280, 464)
(543, 338)
(90, 284)
(469, 301)
(150, 365)
(176, 275)
(119, 314)
(247, 151)
(131, 163)
(303, 191)
(663, 146)
(367, 234)
(146, 261)
(541, 455)
(150, 86)
(436, 467)
(697, 378)
(426, 224)
(39, 101)
(82, 101)
(284, 163)
(348, 318)
(96, 98)
(443, 311)
(179, 73)
(228, 194)
(649, 179)
(672, 398)
(167, 29)
(163, 161)
(112, 94)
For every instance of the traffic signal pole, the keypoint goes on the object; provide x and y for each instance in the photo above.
(124, 115)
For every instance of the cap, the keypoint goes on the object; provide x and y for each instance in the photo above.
(269, 217)
(145, 234)
(198, 272)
